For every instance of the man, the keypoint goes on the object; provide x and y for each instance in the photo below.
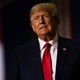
(63, 56)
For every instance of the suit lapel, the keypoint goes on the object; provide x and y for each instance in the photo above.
(61, 58)
(38, 66)
(63, 51)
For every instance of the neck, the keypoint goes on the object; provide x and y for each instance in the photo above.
(47, 38)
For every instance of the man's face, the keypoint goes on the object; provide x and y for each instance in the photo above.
(43, 23)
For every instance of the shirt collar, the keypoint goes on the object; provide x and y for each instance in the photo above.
(53, 42)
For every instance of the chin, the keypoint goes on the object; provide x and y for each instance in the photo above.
(45, 32)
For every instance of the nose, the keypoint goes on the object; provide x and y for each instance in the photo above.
(42, 20)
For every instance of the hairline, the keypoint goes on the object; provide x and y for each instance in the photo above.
(48, 7)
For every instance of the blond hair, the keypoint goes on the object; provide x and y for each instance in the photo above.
(49, 7)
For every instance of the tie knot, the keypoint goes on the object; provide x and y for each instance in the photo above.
(47, 45)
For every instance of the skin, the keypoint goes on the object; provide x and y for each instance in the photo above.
(44, 25)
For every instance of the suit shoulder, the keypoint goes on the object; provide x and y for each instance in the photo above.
(26, 46)
(69, 41)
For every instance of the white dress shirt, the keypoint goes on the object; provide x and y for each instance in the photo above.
(53, 52)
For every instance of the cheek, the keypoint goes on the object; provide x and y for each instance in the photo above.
(52, 25)
(49, 22)
(34, 24)
(33, 27)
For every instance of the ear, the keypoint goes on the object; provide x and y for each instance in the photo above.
(57, 20)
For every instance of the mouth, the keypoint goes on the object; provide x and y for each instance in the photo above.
(43, 27)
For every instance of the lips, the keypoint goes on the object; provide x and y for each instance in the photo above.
(43, 27)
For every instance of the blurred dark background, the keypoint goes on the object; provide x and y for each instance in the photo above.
(16, 26)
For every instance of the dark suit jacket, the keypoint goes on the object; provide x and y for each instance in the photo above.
(26, 62)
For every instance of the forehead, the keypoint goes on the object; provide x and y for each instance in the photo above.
(40, 13)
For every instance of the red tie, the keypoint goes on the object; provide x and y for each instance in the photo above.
(46, 63)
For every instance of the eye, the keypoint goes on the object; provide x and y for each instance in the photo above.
(35, 18)
(46, 16)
